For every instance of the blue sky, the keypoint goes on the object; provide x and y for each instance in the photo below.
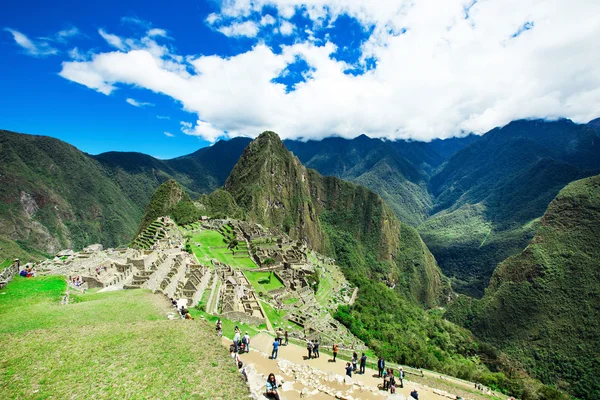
(167, 78)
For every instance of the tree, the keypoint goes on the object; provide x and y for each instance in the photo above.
(232, 245)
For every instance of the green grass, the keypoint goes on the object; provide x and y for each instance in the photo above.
(277, 318)
(228, 325)
(5, 264)
(213, 247)
(260, 281)
(106, 345)
(290, 300)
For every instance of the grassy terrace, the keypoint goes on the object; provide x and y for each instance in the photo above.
(106, 345)
(261, 283)
(211, 246)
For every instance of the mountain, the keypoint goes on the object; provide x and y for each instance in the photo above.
(543, 305)
(274, 189)
(397, 171)
(489, 196)
(170, 199)
(55, 196)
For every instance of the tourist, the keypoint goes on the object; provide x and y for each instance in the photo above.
(309, 347)
(275, 349)
(386, 380)
(354, 361)
(280, 335)
(363, 363)
(380, 366)
(236, 340)
(246, 342)
(335, 351)
(316, 349)
(272, 385)
(349, 369)
(286, 337)
(401, 377)
(392, 382)
(414, 394)
(242, 370)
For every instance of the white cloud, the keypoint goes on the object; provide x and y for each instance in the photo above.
(286, 28)
(237, 29)
(157, 32)
(36, 48)
(169, 134)
(113, 40)
(267, 20)
(212, 18)
(136, 103)
(202, 129)
(446, 74)
(163, 117)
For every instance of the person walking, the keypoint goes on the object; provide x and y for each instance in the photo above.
(363, 363)
(316, 349)
(272, 386)
(246, 342)
(335, 351)
(275, 349)
(386, 380)
(354, 361)
(380, 366)
(286, 337)
(236, 340)
(401, 377)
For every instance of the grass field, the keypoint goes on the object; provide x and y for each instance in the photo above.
(106, 345)
(260, 281)
(211, 246)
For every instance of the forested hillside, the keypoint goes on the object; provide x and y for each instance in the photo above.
(543, 305)
(55, 196)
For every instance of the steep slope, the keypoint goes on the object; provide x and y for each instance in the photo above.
(543, 305)
(54, 196)
(378, 165)
(170, 199)
(332, 216)
(489, 195)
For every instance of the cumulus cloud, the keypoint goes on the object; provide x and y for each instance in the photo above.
(236, 29)
(438, 69)
(136, 103)
(36, 48)
(286, 28)
(267, 19)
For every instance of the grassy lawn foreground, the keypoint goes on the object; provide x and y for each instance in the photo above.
(106, 345)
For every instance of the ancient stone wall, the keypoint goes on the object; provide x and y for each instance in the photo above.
(7, 274)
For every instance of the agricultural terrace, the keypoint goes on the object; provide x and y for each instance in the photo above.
(119, 343)
(263, 281)
(208, 244)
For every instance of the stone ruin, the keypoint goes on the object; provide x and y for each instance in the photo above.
(238, 299)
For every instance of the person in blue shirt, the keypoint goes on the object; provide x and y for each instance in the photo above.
(272, 385)
(380, 366)
(275, 349)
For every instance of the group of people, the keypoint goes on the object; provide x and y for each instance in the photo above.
(281, 334)
(100, 269)
(27, 272)
(183, 312)
(313, 349)
(76, 280)
(241, 343)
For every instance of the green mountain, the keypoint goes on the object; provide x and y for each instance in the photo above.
(170, 199)
(543, 305)
(55, 196)
(333, 216)
(400, 286)
(489, 196)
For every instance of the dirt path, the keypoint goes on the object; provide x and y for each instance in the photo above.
(319, 376)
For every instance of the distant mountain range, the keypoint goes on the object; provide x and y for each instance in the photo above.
(474, 200)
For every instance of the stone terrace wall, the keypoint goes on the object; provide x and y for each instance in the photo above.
(7, 274)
